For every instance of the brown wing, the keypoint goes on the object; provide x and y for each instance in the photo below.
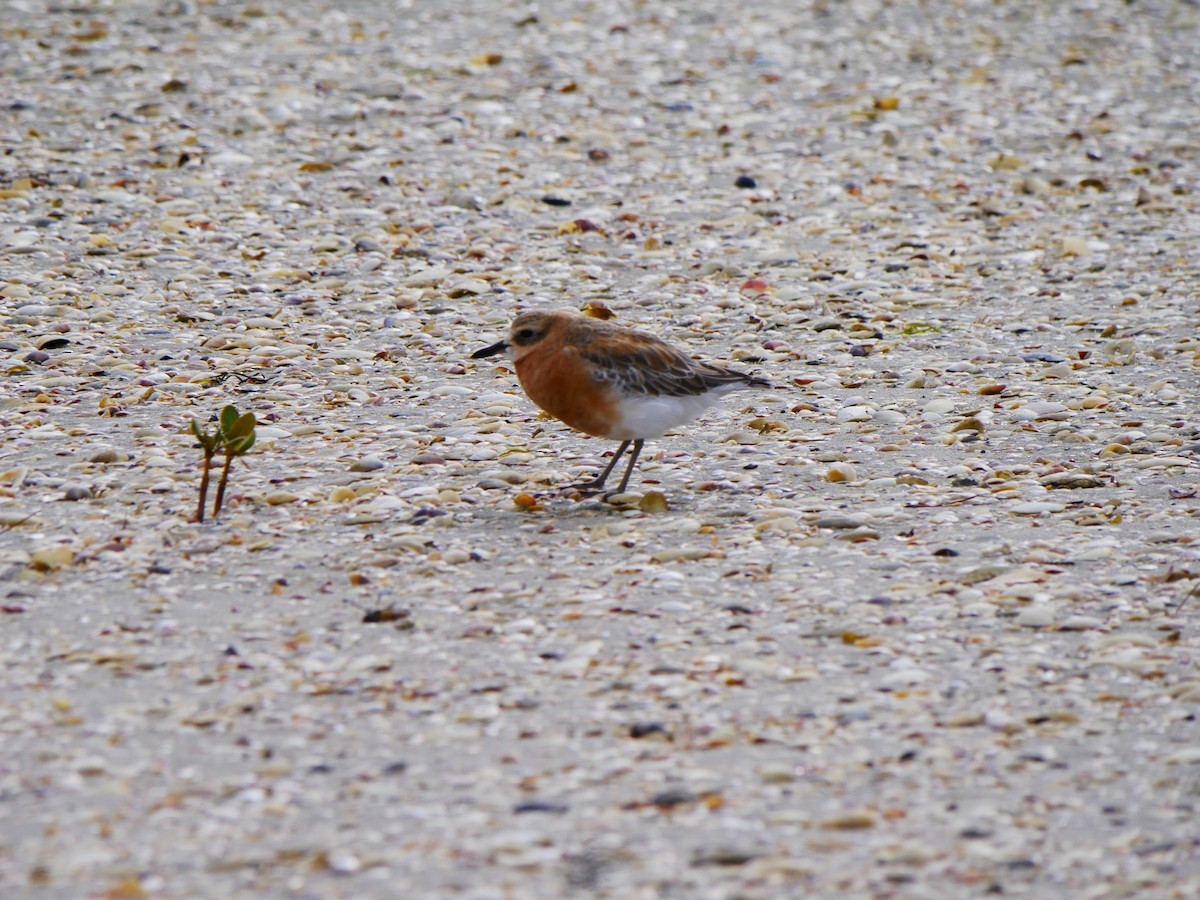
(637, 363)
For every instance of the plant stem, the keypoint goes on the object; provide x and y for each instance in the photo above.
(221, 483)
(208, 455)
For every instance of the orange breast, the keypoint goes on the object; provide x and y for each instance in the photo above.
(558, 381)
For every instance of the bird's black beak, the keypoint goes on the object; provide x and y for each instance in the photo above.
(490, 351)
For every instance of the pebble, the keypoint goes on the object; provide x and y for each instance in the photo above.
(841, 472)
(52, 557)
(343, 862)
(778, 773)
(1043, 410)
(723, 855)
(1071, 480)
(1037, 507)
(939, 407)
(76, 492)
(850, 821)
(1037, 616)
(1162, 462)
(855, 414)
(839, 521)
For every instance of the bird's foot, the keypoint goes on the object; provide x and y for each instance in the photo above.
(586, 488)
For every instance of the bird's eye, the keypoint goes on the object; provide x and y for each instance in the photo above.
(526, 336)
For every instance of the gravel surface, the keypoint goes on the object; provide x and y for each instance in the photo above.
(918, 623)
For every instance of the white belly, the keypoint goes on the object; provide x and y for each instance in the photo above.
(651, 417)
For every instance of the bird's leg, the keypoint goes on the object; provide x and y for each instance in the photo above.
(598, 482)
(633, 458)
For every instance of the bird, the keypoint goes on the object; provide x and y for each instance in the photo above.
(611, 381)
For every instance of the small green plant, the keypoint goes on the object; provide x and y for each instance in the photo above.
(238, 437)
(234, 436)
(209, 442)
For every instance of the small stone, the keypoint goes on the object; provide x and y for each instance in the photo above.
(745, 182)
(464, 199)
(855, 414)
(839, 521)
(1038, 507)
(851, 821)
(427, 277)
(841, 472)
(429, 459)
(1071, 480)
(1161, 462)
(654, 730)
(464, 287)
(723, 856)
(1002, 720)
(969, 424)
(1188, 756)
(47, 559)
(1186, 692)
(91, 766)
(266, 435)
(1073, 245)
(629, 498)
(939, 407)
(343, 862)
(1040, 615)
(367, 464)
(1043, 410)
(673, 796)
(777, 773)
(653, 502)
(10, 518)
(964, 720)
(540, 806)
(280, 498)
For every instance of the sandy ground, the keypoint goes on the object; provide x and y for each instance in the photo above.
(918, 623)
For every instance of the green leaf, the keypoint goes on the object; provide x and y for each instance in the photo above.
(209, 441)
(239, 428)
(228, 416)
(241, 445)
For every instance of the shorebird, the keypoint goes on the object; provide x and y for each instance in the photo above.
(611, 381)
